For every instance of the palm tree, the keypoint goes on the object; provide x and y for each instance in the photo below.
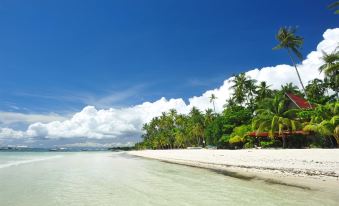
(250, 88)
(197, 126)
(275, 117)
(263, 91)
(326, 128)
(334, 5)
(209, 116)
(325, 121)
(331, 68)
(289, 88)
(239, 86)
(230, 102)
(212, 100)
(292, 43)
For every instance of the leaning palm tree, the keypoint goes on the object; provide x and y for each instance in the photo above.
(292, 43)
(212, 100)
(331, 68)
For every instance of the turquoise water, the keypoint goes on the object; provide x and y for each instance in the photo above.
(104, 178)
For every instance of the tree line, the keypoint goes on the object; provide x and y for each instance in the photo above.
(256, 115)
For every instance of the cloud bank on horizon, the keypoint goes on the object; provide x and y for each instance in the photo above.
(123, 123)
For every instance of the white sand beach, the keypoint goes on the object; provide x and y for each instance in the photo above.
(313, 168)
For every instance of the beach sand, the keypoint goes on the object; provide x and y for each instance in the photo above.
(305, 168)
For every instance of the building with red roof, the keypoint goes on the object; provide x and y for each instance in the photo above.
(295, 102)
(298, 102)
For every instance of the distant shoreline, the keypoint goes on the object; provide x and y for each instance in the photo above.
(303, 168)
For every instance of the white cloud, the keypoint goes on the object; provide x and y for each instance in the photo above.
(15, 117)
(125, 122)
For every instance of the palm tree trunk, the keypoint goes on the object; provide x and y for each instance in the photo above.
(213, 106)
(331, 140)
(296, 69)
(284, 141)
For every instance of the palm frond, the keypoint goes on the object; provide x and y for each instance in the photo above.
(311, 128)
(297, 53)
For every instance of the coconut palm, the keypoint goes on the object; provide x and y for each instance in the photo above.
(230, 102)
(196, 126)
(331, 63)
(275, 118)
(292, 43)
(263, 91)
(325, 121)
(289, 88)
(239, 87)
(250, 89)
(331, 69)
(209, 116)
(212, 100)
(326, 128)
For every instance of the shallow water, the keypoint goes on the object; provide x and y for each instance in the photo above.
(104, 178)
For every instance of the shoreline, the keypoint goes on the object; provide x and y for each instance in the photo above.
(313, 169)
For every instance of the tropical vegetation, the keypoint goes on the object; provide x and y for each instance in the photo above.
(263, 117)
(257, 115)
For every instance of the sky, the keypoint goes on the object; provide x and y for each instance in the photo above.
(92, 72)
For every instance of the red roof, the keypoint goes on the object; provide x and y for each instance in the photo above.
(299, 101)
(276, 134)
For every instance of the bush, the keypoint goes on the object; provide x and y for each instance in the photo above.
(223, 142)
(270, 143)
(248, 145)
(241, 130)
(236, 142)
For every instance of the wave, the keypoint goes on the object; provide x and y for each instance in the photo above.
(17, 163)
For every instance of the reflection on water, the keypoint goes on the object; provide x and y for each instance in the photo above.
(104, 178)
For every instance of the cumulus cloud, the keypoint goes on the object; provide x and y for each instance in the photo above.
(127, 122)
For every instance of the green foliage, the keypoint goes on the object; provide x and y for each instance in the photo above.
(236, 141)
(270, 143)
(315, 91)
(241, 131)
(289, 88)
(249, 145)
(276, 118)
(214, 130)
(251, 108)
(330, 68)
(224, 142)
(237, 115)
(289, 40)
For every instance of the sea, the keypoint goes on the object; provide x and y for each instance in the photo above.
(116, 178)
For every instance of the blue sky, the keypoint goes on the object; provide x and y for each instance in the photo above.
(58, 56)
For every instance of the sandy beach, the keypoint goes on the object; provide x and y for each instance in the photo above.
(309, 168)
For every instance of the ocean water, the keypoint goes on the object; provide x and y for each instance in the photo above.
(107, 178)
